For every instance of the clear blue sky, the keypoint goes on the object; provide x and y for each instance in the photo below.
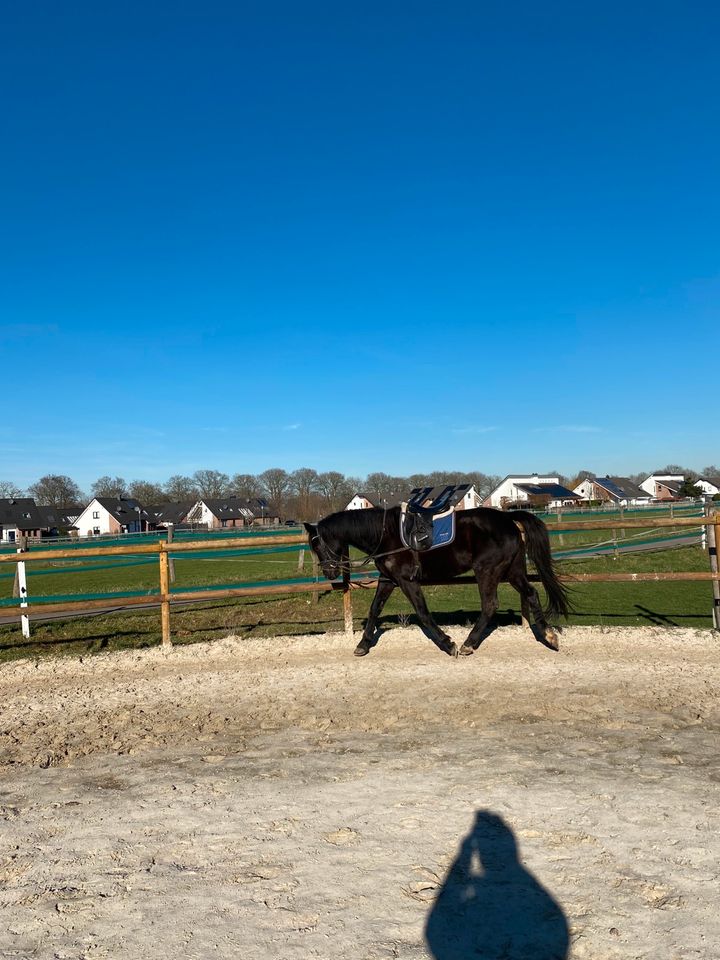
(358, 236)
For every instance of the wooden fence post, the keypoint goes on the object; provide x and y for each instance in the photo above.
(165, 594)
(713, 538)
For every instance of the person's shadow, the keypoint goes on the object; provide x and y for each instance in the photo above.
(491, 907)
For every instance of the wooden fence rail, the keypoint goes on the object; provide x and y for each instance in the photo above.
(165, 597)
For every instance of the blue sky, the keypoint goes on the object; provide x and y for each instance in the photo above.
(377, 236)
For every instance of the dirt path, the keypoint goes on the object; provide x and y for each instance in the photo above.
(281, 799)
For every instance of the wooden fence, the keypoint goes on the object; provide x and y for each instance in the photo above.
(165, 598)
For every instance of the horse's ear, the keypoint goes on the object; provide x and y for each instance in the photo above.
(311, 528)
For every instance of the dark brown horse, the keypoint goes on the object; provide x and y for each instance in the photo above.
(491, 543)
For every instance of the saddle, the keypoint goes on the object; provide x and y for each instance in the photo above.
(426, 528)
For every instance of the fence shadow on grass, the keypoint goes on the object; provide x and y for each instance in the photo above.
(490, 906)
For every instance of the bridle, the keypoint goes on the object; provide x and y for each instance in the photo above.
(347, 565)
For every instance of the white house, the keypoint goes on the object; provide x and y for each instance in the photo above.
(360, 502)
(661, 485)
(527, 488)
(105, 515)
(710, 486)
(619, 490)
(218, 514)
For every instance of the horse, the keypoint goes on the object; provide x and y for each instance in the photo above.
(491, 543)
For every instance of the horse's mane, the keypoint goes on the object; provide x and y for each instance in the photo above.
(355, 525)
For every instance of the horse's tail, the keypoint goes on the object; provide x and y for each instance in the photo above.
(537, 544)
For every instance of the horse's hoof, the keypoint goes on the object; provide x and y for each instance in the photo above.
(552, 640)
(466, 651)
(361, 651)
(453, 650)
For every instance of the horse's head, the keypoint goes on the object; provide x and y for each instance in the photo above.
(328, 551)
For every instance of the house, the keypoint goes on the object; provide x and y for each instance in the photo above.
(660, 486)
(218, 514)
(618, 490)
(167, 514)
(360, 502)
(59, 520)
(710, 486)
(529, 490)
(105, 515)
(265, 513)
(20, 517)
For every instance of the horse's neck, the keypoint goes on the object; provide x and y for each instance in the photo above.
(352, 534)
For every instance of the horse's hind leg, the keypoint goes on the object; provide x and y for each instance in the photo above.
(382, 591)
(483, 625)
(529, 599)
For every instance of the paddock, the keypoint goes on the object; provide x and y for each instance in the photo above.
(278, 798)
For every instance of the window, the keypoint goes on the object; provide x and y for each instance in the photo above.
(96, 514)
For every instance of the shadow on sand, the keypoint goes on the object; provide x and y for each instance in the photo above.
(491, 907)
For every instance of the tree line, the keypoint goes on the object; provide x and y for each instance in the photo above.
(303, 494)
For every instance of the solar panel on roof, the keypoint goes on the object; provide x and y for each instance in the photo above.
(612, 487)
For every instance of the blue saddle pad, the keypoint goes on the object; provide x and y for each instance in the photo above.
(443, 529)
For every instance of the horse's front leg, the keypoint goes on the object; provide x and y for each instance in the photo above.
(412, 591)
(382, 591)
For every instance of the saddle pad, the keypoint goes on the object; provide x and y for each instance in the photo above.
(443, 532)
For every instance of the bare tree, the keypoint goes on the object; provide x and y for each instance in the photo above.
(275, 482)
(333, 487)
(10, 490)
(146, 492)
(109, 487)
(211, 483)
(561, 477)
(179, 488)
(382, 488)
(711, 471)
(675, 468)
(56, 490)
(302, 483)
(246, 486)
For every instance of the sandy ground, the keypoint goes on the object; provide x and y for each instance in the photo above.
(282, 799)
